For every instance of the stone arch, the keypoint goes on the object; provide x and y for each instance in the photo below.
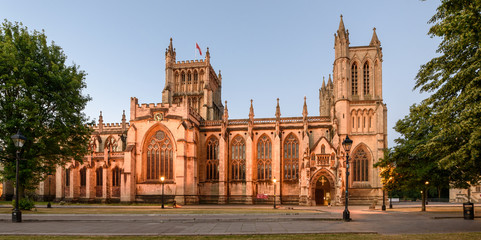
(146, 141)
(313, 180)
(361, 171)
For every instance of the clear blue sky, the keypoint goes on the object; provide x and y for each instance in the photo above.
(265, 49)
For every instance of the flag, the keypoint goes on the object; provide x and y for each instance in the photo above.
(197, 46)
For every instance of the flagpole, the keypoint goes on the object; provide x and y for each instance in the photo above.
(195, 51)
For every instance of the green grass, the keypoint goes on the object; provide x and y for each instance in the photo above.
(443, 236)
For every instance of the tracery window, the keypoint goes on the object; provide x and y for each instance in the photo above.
(159, 157)
(366, 78)
(354, 78)
(189, 78)
(116, 177)
(111, 144)
(212, 162)
(264, 158)
(238, 159)
(83, 177)
(360, 165)
(99, 175)
(291, 158)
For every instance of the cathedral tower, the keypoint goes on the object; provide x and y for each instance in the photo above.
(194, 82)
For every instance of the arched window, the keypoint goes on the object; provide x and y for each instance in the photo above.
(99, 176)
(182, 82)
(238, 159)
(159, 157)
(264, 158)
(111, 144)
(212, 163)
(83, 177)
(354, 78)
(366, 78)
(291, 158)
(323, 149)
(360, 165)
(176, 82)
(116, 177)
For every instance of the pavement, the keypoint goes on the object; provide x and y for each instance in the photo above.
(403, 218)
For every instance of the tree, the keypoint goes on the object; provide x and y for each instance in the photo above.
(410, 165)
(42, 97)
(454, 79)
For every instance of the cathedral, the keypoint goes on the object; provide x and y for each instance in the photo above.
(203, 156)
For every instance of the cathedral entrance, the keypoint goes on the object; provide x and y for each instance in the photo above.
(323, 191)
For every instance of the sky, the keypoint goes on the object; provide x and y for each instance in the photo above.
(265, 49)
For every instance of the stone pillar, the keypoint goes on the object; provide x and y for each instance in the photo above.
(223, 168)
(249, 169)
(277, 165)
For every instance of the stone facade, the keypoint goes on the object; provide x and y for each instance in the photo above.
(205, 157)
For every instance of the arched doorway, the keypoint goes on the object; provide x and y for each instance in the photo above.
(322, 193)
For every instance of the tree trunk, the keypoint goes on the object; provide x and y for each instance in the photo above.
(469, 194)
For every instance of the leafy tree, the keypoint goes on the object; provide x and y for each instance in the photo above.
(454, 79)
(41, 96)
(410, 164)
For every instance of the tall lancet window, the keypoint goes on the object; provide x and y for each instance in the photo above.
(366, 78)
(354, 78)
(159, 157)
(238, 159)
(212, 162)
(264, 158)
(291, 158)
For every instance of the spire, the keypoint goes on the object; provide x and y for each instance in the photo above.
(123, 120)
(323, 83)
(220, 75)
(304, 109)
(251, 112)
(170, 52)
(329, 82)
(374, 40)
(341, 32)
(226, 112)
(341, 25)
(278, 110)
(207, 55)
(101, 122)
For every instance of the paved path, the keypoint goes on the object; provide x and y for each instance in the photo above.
(325, 220)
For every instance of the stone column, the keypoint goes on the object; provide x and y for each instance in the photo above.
(249, 165)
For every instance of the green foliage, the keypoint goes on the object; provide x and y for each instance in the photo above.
(411, 163)
(24, 204)
(41, 96)
(454, 78)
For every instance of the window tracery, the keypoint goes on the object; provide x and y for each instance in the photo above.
(360, 165)
(99, 176)
(159, 157)
(212, 162)
(238, 159)
(264, 158)
(354, 78)
(366, 78)
(291, 158)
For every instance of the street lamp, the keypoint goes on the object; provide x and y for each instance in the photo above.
(162, 180)
(274, 181)
(18, 141)
(427, 186)
(347, 144)
(49, 205)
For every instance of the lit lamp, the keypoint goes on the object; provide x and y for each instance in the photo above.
(18, 141)
(347, 144)
(427, 186)
(274, 181)
(162, 180)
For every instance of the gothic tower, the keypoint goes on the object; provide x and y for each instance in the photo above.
(193, 82)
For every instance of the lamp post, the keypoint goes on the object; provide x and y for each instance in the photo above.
(390, 201)
(162, 180)
(49, 205)
(347, 143)
(383, 200)
(426, 191)
(18, 141)
(274, 181)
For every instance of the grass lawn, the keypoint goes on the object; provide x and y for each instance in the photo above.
(457, 236)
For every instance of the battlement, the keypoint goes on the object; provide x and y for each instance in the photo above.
(191, 61)
(150, 105)
(109, 125)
